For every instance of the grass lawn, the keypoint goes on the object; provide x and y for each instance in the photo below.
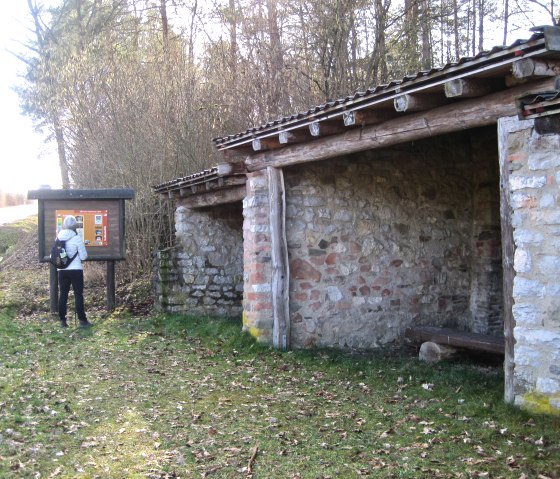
(148, 396)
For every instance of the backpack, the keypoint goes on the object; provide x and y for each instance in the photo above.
(58, 256)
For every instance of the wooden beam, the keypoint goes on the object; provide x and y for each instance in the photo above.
(467, 88)
(279, 259)
(216, 197)
(464, 115)
(326, 127)
(237, 151)
(366, 117)
(412, 103)
(458, 339)
(234, 168)
(528, 68)
(269, 143)
(293, 136)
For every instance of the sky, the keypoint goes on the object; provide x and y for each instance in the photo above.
(26, 162)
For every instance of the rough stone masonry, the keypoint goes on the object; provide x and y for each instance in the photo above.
(380, 241)
(203, 274)
(534, 165)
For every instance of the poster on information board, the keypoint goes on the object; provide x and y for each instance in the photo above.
(92, 226)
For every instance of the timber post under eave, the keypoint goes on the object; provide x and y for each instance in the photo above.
(279, 257)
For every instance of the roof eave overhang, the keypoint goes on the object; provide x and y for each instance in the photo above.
(495, 63)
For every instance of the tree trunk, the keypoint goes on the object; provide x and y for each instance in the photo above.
(62, 160)
(480, 25)
(426, 32)
(233, 39)
(278, 100)
(506, 21)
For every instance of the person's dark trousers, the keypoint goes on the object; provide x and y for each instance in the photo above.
(74, 278)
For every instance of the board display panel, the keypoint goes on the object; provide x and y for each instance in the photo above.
(100, 215)
(92, 225)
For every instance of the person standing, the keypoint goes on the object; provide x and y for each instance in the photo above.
(73, 274)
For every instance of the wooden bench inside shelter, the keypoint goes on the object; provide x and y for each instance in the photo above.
(443, 343)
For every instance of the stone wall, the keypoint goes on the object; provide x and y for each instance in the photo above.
(534, 165)
(257, 299)
(381, 241)
(486, 292)
(203, 274)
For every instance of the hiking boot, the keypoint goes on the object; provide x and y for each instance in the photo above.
(84, 323)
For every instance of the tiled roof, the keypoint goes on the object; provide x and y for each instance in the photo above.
(497, 61)
(187, 181)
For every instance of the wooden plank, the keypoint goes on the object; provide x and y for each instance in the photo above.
(215, 197)
(508, 252)
(459, 339)
(464, 115)
(279, 259)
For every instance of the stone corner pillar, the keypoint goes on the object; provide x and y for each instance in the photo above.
(257, 294)
(532, 160)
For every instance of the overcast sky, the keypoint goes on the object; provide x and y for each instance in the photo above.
(25, 162)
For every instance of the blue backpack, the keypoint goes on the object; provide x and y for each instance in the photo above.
(58, 256)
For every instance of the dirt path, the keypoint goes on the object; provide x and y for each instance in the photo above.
(14, 213)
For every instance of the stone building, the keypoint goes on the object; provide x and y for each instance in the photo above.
(433, 200)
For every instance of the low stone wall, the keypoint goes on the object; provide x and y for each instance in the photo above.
(203, 274)
(534, 164)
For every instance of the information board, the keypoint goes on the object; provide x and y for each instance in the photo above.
(92, 226)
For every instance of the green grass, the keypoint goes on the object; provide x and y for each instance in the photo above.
(148, 396)
(9, 234)
(189, 397)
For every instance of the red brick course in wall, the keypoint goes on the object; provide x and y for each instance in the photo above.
(257, 299)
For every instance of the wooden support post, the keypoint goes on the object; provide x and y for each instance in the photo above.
(279, 258)
(111, 285)
(53, 288)
(433, 352)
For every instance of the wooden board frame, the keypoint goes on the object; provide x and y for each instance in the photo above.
(110, 200)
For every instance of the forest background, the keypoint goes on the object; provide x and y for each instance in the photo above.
(132, 91)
